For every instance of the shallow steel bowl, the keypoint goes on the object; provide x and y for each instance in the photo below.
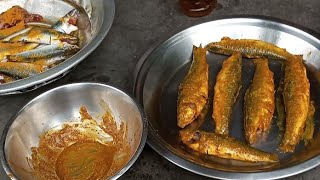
(60, 105)
(100, 14)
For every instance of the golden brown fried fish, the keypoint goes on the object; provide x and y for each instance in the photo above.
(259, 101)
(296, 96)
(225, 147)
(249, 48)
(226, 90)
(193, 91)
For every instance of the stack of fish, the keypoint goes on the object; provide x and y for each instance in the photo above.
(293, 100)
(29, 46)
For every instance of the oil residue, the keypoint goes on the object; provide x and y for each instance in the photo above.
(81, 150)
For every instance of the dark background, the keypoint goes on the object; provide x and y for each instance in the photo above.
(138, 24)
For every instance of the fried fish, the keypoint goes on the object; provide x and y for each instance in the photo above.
(226, 147)
(226, 90)
(296, 96)
(249, 48)
(193, 91)
(259, 101)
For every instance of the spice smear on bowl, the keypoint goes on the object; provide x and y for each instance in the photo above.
(82, 150)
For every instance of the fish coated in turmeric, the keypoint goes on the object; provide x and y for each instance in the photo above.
(226, 147)
(259, 101)
(193, 91)
(20, 70)
(43, 35)
(45, 52)
(11, 51)
(249, 48)
(226, 90)
(296, 96)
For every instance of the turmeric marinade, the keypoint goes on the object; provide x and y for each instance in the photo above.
(81, 150)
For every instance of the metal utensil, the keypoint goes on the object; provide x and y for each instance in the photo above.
(159, 74)
(60, 105)
(101, 14)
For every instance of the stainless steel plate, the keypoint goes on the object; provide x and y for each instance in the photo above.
(159, 73)
(100, 14)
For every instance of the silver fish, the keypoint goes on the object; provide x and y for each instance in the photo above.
(67, 23)
(10, 51)
(21, 70)
(45, 52)
(43, 35)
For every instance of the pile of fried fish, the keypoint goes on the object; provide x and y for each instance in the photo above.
(292, 100)
(29, 45)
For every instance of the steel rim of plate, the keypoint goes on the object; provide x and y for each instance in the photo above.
(59, 71)
(162, 148)
(135, 156)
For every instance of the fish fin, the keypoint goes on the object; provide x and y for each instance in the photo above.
(309, 127)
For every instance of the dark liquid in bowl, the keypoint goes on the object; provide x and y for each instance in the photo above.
(197, 8)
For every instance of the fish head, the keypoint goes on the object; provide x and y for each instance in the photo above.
(186, 114)
(67, 23)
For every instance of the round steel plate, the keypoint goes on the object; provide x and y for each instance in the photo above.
(159, 73)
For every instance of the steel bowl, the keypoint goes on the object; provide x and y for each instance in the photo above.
(60, 105)
(101, 15)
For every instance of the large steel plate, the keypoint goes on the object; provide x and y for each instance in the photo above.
(160, 71)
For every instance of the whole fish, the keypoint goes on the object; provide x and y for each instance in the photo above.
(193, 91)
(27, 46)
(20, 70)
(249, 48)
(43, 35)
(296, 96)
(67, 23)
(226, 147)
(259, 101)
(226, 90)
(45, 52)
